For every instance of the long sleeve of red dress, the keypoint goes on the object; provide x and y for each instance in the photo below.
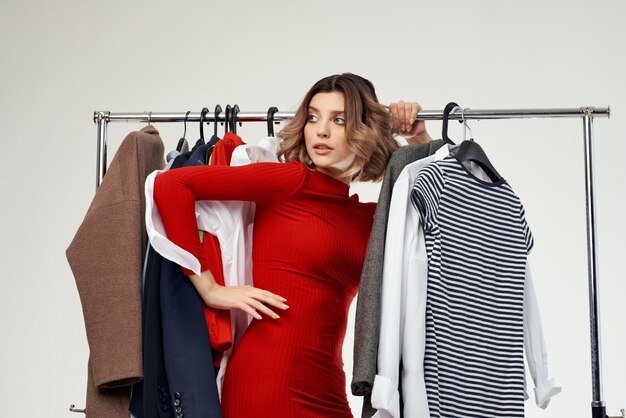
(175, 193)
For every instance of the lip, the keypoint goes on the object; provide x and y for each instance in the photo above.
(322, 149)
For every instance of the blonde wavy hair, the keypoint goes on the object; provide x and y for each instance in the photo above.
(368, 127)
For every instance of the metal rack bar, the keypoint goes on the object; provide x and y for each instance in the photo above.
(154, 117)
(102, 118)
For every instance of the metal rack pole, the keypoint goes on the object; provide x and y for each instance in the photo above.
(598, 407)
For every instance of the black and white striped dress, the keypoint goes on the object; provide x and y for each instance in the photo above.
(477, 242)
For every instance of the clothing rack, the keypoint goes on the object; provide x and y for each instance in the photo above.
(587, 113)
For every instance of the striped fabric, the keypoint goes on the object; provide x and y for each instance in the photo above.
(477, 242)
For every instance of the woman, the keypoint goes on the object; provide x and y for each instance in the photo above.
(310, 239)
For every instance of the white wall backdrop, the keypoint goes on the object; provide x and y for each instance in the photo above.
(60, 61)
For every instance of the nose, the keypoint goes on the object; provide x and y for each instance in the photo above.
(322, 129)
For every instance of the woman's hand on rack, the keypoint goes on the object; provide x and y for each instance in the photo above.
(249, 299)
(404, 123)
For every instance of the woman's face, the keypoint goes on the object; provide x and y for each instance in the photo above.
(325, 135)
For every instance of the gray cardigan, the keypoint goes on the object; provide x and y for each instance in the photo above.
(367, 326)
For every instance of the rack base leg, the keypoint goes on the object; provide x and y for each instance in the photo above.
(598, 412)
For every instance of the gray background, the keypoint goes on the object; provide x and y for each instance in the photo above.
(62, 60)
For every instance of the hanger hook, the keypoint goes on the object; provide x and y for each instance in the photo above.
(74, 409)
(216, 114)
(227, 117)
(233, 119)
(149, 118)
(202, 115)
(446, 116)
(270, 120)
(186, 119)
(466, 127)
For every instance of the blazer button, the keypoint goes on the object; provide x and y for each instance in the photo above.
(177, 395)
(177, 402)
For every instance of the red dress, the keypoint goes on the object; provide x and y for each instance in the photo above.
(310, 239)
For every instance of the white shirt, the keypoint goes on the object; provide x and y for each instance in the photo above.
(403, 310)
(231, 222)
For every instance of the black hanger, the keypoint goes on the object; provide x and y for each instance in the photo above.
(444, 126)
(233, 119)
(182, 146)
(227, 113)
(216, 113)
(469, 150)
(270, 120)
(202, 115)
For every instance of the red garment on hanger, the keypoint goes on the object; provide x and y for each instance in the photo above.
(218, 320)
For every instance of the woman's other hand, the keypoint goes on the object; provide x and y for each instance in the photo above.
(404, 123)
(249, 299)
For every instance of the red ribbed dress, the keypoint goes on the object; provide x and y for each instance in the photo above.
(310, 239)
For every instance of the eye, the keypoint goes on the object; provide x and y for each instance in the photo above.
(311, 118)
(340, 121)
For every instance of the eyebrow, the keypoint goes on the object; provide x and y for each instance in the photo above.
(333, 112)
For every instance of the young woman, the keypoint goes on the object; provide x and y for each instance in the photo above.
(310, 238)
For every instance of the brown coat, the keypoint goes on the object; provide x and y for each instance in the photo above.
(106, 258)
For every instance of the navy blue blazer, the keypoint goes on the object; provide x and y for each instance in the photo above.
(179, 377)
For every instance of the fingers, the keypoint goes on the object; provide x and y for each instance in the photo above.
(395, 117)
(249, 299)
(415, 109)
(404, 115)
(259, 307)
(250, 311)
(257, 299)
(267, 297)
